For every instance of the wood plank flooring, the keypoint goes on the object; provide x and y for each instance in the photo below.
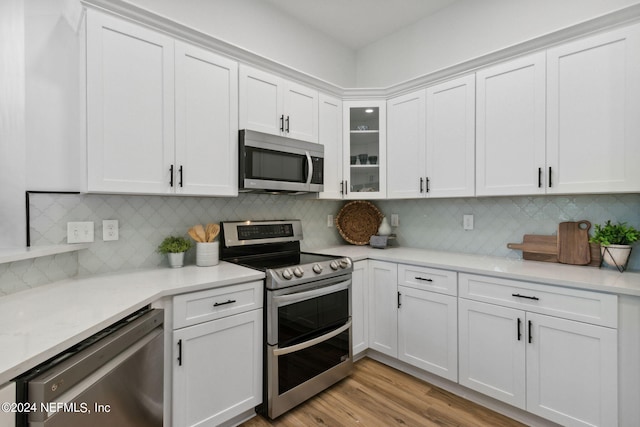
(378, 395)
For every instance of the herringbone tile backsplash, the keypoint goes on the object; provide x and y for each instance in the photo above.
(425, 223)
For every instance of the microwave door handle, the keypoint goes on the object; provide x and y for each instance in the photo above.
(309, 167)
(302, 296)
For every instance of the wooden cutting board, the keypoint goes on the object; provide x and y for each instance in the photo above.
(573, 243)
(536, 247)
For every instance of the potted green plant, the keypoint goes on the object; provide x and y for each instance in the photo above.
(615, 242)
(175, 247)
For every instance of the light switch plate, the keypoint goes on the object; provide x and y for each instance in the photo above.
(80, 232)
(467, 222)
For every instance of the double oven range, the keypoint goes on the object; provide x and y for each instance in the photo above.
(307, 314)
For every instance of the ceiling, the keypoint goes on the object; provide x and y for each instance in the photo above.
(357, 23)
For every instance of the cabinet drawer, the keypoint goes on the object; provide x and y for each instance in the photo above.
(198, 307)
(442, 281)
(575, 304)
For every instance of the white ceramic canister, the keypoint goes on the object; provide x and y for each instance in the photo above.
(385, 228)
(207, 254)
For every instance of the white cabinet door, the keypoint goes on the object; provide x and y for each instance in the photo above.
(593, 131)
(330, 136)
(8, 395)
(276, 106)
(451, 138)
(572, 371)
(383, 307)
(206, 122)
(406, 171)
(359, 307)
(217, 371)
(130, 93)
(301, 112)
(261, 105)
(428, 331)
(510, 127)
(492, 350)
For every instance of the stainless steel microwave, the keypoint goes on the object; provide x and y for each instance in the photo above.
(271, 163)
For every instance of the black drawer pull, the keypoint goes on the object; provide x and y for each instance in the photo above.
(218, 304)
(423, 279)
(525, 296)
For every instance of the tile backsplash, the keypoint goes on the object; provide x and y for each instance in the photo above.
(424, 223)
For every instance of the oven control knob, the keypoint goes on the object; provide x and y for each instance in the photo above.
(317, 268)
(286, 274)
(298, 272)
(334, 265)
(345, 262)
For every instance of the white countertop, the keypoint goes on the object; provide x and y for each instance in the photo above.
(582, 277)
(39, 323)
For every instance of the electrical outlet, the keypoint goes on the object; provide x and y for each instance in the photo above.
(467, 222)
(395, 220)
(329, 220)
(80, 232)
(110, 229)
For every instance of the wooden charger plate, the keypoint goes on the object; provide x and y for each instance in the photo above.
(357, 221)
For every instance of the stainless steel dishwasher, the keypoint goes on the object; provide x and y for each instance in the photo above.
(114, 378)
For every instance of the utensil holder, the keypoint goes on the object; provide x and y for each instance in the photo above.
(207, 254)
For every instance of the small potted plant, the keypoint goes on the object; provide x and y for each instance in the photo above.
(615, 242)
(175, 247)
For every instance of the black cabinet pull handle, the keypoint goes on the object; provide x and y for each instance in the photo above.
(399, 303)
(341, 187)
(428, 182)
(346, 187)
(423, 279)
(282, 123)
(180, 171)
(287, 130)
(530, 334)
(179, 352)
(549, 176)
(218, 304)
(171, 176)
(519, 329)
(421, 185)
(539, 177)
(525, 296)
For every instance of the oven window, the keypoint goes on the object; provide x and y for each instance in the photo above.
(308, 319)
(276, 165)
(297, 367)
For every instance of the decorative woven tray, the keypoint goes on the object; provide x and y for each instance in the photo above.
(357, 221)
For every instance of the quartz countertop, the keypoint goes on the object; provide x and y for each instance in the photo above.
(39, 323)
(573, 276)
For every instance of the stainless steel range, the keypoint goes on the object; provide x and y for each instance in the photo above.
(307, 310)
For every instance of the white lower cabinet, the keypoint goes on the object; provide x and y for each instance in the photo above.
(217, 363)
(359, 307)
(8, 395)
(560, 369)
(410, 321)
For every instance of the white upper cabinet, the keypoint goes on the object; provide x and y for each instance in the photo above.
(431, 141)
(330, 136)
(206, 122)
(161, 114)
(593, 114)
(273, 105)
(451, 138)
(510, 127)
(406, 146)
(130, 105)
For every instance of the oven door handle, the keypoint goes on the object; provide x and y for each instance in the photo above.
(282, 300)
(311, 343)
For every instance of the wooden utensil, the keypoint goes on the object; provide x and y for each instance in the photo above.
(212, 231)
(573, 242)
(199, 230)
(193, 234)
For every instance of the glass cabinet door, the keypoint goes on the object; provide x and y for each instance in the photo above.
(365, 150)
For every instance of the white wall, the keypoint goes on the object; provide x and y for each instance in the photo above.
(468, 29)
(12, 124)
(258, 27)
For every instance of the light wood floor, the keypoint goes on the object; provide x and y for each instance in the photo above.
(378, 395)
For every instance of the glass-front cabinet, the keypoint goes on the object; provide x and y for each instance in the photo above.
(365, 150)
